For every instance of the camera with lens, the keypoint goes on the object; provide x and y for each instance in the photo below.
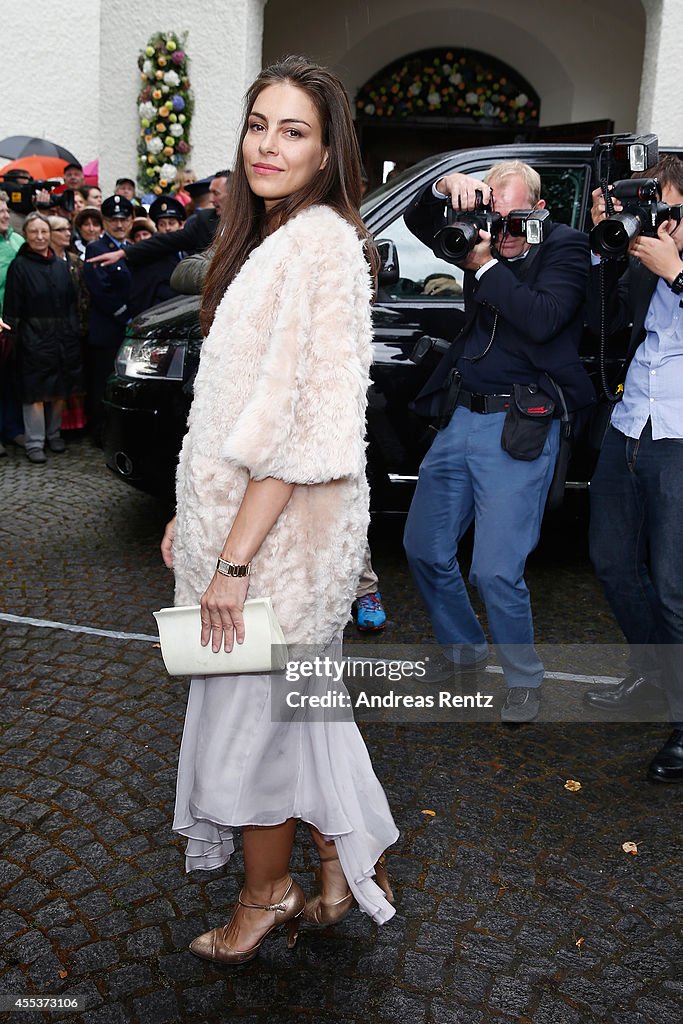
(461, 232)
(62, 200)
(642, 211)
(22, 196)
(641, 214)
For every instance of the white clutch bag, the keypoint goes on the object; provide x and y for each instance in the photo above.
(264, 648)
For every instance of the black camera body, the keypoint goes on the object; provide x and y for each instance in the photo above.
(461, 232)
(62, 201)
(642, 213)
(22, 197)
(641, 198)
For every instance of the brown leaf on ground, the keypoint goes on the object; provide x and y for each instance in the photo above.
(630, 848)
(572, 785)
(430, 814)
(63, 974)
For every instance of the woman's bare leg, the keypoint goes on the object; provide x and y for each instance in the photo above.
(267, 852)
(333, 881)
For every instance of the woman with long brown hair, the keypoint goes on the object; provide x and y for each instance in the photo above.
(271, 481)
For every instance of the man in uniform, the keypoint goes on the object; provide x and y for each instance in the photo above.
(196, 236)
(150, 281)
(200, 193)
(109, 288)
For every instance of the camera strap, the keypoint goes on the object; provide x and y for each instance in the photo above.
(607, 392)
(520, 270)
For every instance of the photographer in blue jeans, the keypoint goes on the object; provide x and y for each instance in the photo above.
(524, 318)
(636, 532)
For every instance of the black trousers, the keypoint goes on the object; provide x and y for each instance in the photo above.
(99, 365)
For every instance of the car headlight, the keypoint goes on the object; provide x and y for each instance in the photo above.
(162, 359)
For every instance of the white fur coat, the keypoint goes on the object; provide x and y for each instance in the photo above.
(281, 392)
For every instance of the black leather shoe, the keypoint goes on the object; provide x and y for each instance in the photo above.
(440, 669)
(667, 765)
(522, 704)
(633, 690)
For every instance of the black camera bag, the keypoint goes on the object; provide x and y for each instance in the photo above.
(527, 422)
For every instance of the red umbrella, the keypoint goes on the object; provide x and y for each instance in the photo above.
(39, 167)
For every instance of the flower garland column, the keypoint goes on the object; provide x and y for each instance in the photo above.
(224, 40)
(165, 106)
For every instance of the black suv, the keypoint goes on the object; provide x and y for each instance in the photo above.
(148, 398)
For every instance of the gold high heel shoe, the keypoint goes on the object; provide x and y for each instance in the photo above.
(214, 946)
(320, 913)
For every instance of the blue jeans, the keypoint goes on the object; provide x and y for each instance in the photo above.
(467, 476)
(636, 546)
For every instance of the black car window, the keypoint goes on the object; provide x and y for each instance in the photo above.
(425, 277)
(563, 189)
(422, 274)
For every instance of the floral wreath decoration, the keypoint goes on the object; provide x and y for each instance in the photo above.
(165, 105)
(467, 86)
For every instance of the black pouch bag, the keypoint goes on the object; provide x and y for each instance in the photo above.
(527, 422)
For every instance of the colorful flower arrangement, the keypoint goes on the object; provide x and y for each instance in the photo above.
(165, 106)
(466, 85)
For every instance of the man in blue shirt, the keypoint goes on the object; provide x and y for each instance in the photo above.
(636, 533)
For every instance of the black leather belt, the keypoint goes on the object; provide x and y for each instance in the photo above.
(483, 403)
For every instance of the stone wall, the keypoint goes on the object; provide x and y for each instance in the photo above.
(71, 74)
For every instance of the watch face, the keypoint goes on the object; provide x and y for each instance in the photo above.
(677, 284)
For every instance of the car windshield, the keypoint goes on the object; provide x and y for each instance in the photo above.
(377, 195)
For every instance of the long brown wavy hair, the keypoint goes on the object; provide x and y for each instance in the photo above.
(244, 221)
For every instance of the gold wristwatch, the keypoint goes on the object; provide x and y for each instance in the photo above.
(226, 568)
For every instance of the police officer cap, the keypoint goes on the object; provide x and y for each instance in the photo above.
(117, 207)
(166, 206)
(199, 188)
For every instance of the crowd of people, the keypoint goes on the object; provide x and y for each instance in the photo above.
(65, 310)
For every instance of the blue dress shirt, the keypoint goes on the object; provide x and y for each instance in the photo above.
(654, 382)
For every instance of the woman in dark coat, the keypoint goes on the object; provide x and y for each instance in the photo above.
(41, 306)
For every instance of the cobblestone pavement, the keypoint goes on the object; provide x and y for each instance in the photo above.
(516, 902)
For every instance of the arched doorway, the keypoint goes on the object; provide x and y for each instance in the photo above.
(440, 99)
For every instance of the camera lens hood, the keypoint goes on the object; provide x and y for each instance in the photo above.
(612, 237)
(453, 242)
